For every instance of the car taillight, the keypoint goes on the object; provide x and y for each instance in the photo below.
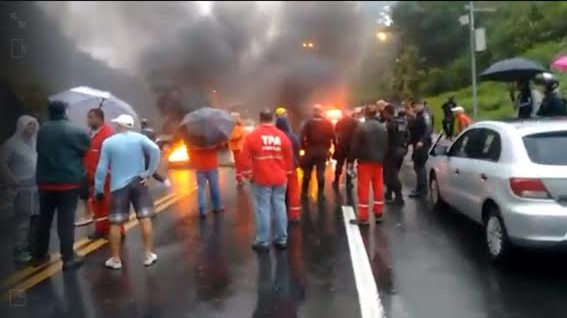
(529, 188)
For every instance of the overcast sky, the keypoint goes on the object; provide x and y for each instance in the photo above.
(102, 29)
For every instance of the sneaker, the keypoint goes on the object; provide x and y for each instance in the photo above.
(379, 218)
(150, 259)
(84, 221)
(398, 202)
(167, 183)
(280, 246)
(417, 195)
(73, 263)
(359, 222)
(23, 257)
(259, 248)
(113, 263)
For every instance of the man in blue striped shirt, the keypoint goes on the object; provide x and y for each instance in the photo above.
(123, 154)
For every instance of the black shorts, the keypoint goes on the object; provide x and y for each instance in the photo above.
(84, 189)
(134, 193)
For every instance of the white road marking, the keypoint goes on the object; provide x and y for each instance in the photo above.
(370, 304)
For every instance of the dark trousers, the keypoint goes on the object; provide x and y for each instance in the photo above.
(65, 203)
(339, 170)
(449, 126)
(320, 164)
(392, 165)
(419, 159)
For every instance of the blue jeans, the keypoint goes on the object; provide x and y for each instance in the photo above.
(268, 199)
(212, 177)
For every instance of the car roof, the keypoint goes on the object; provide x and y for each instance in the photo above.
(526, 126)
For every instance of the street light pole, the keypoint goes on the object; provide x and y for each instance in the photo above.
(473, 58)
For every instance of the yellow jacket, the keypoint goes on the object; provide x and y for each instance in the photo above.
(236, 141)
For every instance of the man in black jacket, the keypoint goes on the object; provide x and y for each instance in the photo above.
(316, 139)
(553, 104)
(448, 117)
(421, 130)
(344, 129)
(397, 149)
(369, 146)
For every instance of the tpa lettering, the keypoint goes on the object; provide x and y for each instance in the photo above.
(271, 140)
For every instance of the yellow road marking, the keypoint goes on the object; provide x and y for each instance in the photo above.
(55, 265)
(83, 247)
(79, 244)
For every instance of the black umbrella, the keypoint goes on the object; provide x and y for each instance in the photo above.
(512, 70)
(207, 127)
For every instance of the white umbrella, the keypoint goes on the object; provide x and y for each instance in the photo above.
(81, 99)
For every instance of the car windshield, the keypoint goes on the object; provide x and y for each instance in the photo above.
(547, 148)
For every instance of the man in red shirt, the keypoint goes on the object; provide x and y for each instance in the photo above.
(99, 133)
(267, 158)
(206, 165)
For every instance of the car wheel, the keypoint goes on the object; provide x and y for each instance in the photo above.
(497, 242)
(435, 194)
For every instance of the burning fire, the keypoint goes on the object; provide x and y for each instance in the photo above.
(334, 115)
(179, 153)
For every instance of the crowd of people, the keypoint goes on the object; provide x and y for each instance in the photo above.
(376, 141)
(53, 167)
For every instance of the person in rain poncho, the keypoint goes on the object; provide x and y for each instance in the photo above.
(18, 163)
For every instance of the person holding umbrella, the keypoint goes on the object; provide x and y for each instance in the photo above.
(99, 133)
(205, 131)
(528, 101)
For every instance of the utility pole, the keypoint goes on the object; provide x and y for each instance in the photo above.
(469, 19)
(473, 58)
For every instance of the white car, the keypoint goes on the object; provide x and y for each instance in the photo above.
(509, 176)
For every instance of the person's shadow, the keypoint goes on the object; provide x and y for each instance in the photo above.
(274, 294)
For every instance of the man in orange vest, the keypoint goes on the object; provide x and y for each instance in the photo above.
(463, 121)
(236, 143)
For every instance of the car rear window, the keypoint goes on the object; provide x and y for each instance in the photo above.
(547, 148)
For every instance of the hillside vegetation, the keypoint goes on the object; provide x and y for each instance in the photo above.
(434, 61)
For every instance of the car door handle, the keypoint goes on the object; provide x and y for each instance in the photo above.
(457, 171)
(483, 177)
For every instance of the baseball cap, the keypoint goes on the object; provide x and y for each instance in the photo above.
(124, 121)
(457, 109)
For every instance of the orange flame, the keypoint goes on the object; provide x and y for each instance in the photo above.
(179, 153)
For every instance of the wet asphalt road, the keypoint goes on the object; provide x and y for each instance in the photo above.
(426, 264)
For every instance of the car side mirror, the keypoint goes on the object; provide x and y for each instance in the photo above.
(441, 151)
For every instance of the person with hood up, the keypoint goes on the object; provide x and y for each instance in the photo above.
(293, 192)
(18, 163)
(236, 143)
(61, 148)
